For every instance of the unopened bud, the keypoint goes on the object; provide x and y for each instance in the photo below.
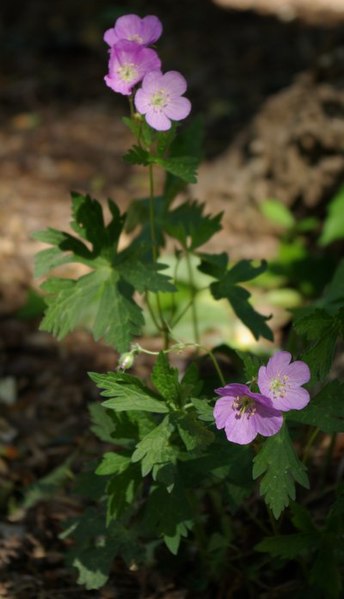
(125, 361)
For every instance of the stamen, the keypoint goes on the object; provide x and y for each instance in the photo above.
(159, 100)
(278, 386)
(244, 405)
(135, 38)
(127, 72)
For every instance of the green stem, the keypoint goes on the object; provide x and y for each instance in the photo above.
(151, 313)
(180, 346)
(309, 444)
(163, 327)
(193, 295)
(216, 364)
(152, 213)
(131, 105)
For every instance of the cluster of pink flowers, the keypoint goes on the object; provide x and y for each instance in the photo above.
(160, 98)
(244, 414)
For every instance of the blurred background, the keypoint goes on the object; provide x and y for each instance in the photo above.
(267, 77)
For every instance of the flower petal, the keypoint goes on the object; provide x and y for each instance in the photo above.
(298, 373)
(223, 408)
(263, 381)
(127, 27)
(240, 430)
(268, 422)
(278, 363)
(152, 81)
(178, 108)
(233, 390)
(110, 37)
(295, 399)
(158, 120)
(174, 83)
(118, 86)
(142, 101)
(151, 29)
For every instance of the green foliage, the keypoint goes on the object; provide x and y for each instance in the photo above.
(137, 155)
(190, 226)
(321, 324)
(102, 299)
(277, 213)
(320, 328)
(333, 227)
(325, 411)
(102, 422)
(155, 447)
(113, 463)
(45, 488)
(127, 393)
(165, 379)
(280, 468)
(322, 547)
(122, 491)
(178, 158)
(226, 287)
(97, 546)
(165, 470)
(170, 515)
(289, 546)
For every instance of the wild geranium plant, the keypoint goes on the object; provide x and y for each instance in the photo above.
(168, 477)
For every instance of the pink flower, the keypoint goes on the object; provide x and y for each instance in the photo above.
(134, 29)
(244, 414)
(281, 380)
(128, 64)
(160, 99)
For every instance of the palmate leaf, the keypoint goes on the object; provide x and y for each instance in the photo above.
(280, 468)
(226, 287)
(102, 422)
(95, 300)
(96, 547)
(188, 222)
(127, 394)
(320, 328)
(170, 514)
(122, 491)
(155, 448)
(165, 378)
(290, 546)
(101, 300)
(193, 433)
(184, 167)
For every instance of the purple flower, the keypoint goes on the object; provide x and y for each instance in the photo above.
(243, 414)
(130, 27)
(281, 380)
(160, 99)
(128, 64)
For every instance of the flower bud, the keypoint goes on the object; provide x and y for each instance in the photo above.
(125, 361)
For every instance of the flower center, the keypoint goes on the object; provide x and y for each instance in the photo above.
(159, 99)
(278, 386)
(135, 38)
(127, 72)
(244, 405)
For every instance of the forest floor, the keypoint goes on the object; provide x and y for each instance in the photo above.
(272, 98)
